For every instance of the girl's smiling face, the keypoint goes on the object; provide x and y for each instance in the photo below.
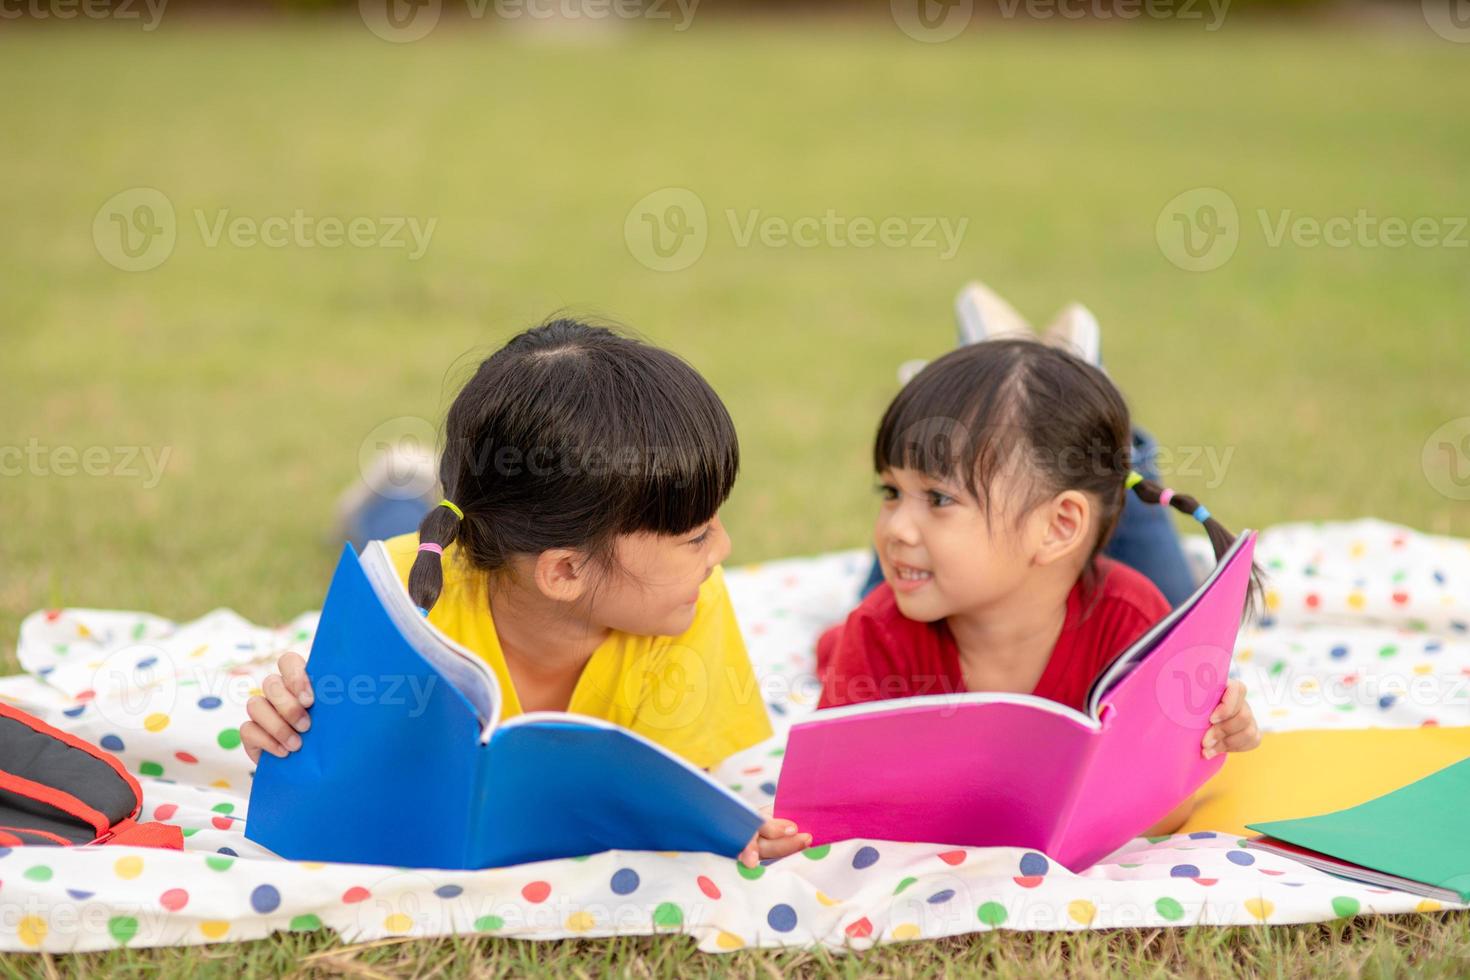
(942, 551)
(654, 587)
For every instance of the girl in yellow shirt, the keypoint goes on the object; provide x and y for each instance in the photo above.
(578, 551)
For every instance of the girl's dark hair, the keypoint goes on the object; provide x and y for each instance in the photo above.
(568, 436)
(983, 408)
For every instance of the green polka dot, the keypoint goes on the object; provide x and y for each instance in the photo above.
(778, 751)
(1130, 865)
(1169, 909)
(816, 853)
(991, 913)
(734, 787)
(1347, 706)
(582, 857)
(61, 649)
(190, 831)
(489, 923)
(1418, 625)
(1155, 840)
(123, 928)
(150, 769)
(219, 862)
(301, 635)
(1388, 650)
(223, 808)
(229, 738)
(1345, 907)
(904, 884)
(1278, 667)
(305, 923)
(668, 914)
(39, 873)
(750, 874)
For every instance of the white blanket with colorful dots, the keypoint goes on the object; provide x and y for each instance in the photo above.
(1367, 626)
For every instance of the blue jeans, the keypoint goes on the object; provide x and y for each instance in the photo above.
(1145, 538)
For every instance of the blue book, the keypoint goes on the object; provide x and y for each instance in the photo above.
(407, 762)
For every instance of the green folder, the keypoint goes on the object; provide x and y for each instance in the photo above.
(1417, 834)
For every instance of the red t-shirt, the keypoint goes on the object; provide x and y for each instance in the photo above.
(879, 653)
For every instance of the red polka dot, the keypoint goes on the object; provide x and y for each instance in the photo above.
(953, 857)
(708, 887)
(1274, 874)
(751, 770)
(52, 615)
(536, 891)
(1207, 882)
(165, 810)
(1401, 598)
(222, 823)
(861, 929)
(1429, 723)
(174, 899)
(356, 894)
(186, 758)
(1313, 600)
(1029, 881)
(86, 695)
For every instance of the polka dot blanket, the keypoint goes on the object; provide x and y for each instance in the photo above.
(1366, 625)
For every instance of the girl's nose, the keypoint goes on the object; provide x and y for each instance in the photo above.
(898, 526)
(721, 550)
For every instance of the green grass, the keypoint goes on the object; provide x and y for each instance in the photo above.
(261, 371)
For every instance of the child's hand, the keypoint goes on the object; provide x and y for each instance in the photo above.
(1232, 724)
(278, 714)
(775, 839)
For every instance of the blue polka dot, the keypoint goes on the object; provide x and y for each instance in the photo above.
(768, 788)
(1268, 621)
(46, 670)
(1458, 626)
(1386, 701)
(865, 857)
(1034, 864)
(265, 899)
(1184, 871)
(146, 662)
(1338, 652)
(940, 897)
(448, 891)
(1241, 858)
(779, 709)
(1439, 578)
(782, 918)
(112, 743)
(1293, 884)
(210, 702)
(75, 712)
(625, 881)
(230, 851)
(4, 851)
(79, 895)
(1202, 835)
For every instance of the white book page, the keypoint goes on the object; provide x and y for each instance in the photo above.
(948, 702)
(466, 670)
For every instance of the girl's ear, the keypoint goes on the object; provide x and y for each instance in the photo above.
(562, 574)
(1067, 527)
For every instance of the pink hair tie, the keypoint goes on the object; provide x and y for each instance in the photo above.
(1165, 497)
(431, 546)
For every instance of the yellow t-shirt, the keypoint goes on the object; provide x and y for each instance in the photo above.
(695, 694)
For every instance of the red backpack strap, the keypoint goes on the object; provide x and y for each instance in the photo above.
(51, 796)
(130, 832)
(80, 744)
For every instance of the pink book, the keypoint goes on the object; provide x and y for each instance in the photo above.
(1021, 771)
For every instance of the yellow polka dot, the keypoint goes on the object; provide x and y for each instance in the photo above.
(1428, 905)
(156, 722)
(1273, 600)
(1357, 549)
(1260, 908)
(256, 692)
(1243, 656)
(82, 631)
(908, 930)
(1279, 712)
(128, 867)
(728, 940)
(1356, 600)
(1446, 600)
(1307, 684)
(32, 930)
(826, 899)
(1082, 911)
(580, 921)
(199, 651)
(1424, 669)
(398, 922)
(311, 865)
(221, 784)
(214, 928)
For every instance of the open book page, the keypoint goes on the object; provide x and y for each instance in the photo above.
(468, 672)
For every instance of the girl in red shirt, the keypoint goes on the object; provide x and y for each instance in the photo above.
(1003, 468)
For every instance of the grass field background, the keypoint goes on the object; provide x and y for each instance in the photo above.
(1321, 371)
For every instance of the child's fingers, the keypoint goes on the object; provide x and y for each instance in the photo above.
(1244, 740)
(255, 739)
(272, 725)
(776, 829)
(293, 672)
(1230, 701)
(285, 703)
(783, 846)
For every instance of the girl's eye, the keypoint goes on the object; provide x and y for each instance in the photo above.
(939, 499)
(703, 536)
(887, 491)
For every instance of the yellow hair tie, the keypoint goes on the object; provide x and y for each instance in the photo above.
(1134, 479)
(446, 502)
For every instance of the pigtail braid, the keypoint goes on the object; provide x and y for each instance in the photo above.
(437, 531)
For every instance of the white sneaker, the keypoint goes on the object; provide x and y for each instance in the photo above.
(1075, 329)
(981, 315)
(908, 369)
